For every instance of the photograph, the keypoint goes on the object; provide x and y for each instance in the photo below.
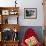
(30, 13)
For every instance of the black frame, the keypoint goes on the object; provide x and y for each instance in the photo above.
(29, 16)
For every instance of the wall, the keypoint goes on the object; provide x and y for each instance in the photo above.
(27, 4)
(32, 4)
(37, 29)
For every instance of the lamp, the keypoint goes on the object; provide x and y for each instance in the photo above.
(15, 30)
(15, 37)
(15, 3)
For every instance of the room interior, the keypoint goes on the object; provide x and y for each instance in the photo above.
(16, 16)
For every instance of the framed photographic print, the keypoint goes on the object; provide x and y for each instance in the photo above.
(30, 13)
(5, 12)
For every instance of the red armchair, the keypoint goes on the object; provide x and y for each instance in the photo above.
(30, 34)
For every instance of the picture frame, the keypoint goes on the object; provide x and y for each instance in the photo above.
(13, 12)
(30, 13)
(5, 12)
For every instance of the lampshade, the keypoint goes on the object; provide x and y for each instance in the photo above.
(15, 3)
(15, 30)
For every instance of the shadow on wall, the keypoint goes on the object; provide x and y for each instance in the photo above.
(37, 29)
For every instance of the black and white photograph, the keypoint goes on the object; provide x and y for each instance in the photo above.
(30, 13)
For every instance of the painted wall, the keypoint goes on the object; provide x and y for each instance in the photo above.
(27, 4)
(37, 29)
(31, 4)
